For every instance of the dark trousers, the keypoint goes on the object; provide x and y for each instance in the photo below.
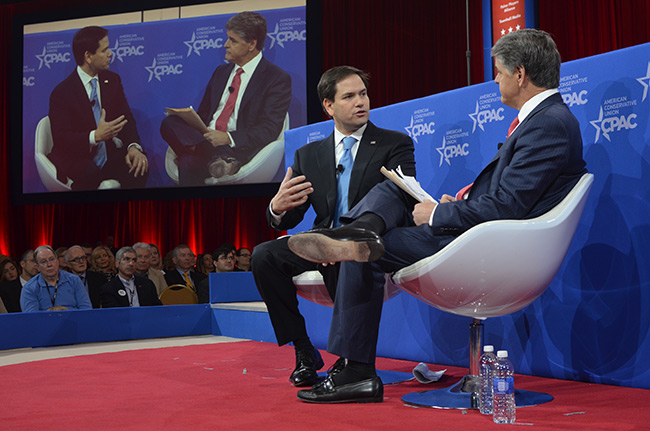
(86, 175)
(273, 266)
(360, 289)
(193, 151)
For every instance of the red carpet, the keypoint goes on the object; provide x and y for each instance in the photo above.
(244, 386)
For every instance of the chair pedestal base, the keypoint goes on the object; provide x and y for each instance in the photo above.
(464, 395)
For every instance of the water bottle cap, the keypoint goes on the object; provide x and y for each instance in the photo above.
(488, 348)
(502, 354)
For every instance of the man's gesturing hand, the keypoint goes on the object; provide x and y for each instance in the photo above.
(293, 192)
(108, 129)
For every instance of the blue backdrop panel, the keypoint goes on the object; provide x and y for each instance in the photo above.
(110, 324)
(233, 287)
(162, 64)
(592, 323)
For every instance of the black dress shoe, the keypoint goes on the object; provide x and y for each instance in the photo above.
(365, 391)
(307, 365)
(220, 168)
(337, 245)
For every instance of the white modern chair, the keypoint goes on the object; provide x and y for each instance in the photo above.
(310, 285)
(493, 269)
(260, 169)
(46, 169)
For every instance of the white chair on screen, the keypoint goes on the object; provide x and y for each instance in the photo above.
(46, 169)
(493, 269)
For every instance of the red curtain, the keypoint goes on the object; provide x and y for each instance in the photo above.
(411, 48)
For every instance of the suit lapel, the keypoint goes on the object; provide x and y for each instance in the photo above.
(218, 88)
(325, 164)
(79, 93)
(367, 147)
(254, 84)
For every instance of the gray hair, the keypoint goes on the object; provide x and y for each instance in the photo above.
(179, 248)
(121, 252)
(535, 51)
(142, 245)
(67, 252)
(43, 248)
(26, 255)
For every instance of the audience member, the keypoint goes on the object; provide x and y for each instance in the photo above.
(28, 267)
(52, 288)
(184, 259)
(128, 289)
(168, 262)
(88, 250)
(102, 260)
(60, 254)
(92, 281)
(156, 259)
(2, 307)
(10, 285)
(143, 266)
(205, 264)
(243, 259)
(223, 260)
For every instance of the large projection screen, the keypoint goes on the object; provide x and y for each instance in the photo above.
(165, 58)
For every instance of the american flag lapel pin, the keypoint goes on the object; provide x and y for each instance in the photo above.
(373, 142)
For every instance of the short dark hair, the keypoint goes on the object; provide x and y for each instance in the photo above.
(224, 250)
(87, 39)
(535, 51)
(328, 82)
(238, 252)
(249, 26)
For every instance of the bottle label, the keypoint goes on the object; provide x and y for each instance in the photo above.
(503, 385)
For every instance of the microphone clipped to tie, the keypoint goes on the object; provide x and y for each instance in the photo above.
(339, 169)
(231, 89)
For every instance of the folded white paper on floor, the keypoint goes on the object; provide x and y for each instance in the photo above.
(424, 375)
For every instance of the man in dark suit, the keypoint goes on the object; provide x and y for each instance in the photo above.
(244, 108)
(314, 180)
(77, 261)
(539, 163)
(128, 289)
(93, 129)
(184, 260)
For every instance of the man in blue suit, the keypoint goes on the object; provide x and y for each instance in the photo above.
(539, 163)
(244, 108)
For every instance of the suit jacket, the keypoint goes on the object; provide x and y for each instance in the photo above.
(263, 107)
(378, 147)
(175, 277)
(10, 295)
(72, 119)
(95, 281)
(111, 297)
(532, 172)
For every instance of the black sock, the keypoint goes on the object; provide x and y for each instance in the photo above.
(303, 344)
(354, 372)
(371, 222)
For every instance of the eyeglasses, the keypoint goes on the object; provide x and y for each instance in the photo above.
(78, 259)
(244, 255)
(226, 258)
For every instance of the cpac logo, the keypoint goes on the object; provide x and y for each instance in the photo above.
(28, 81)
(448, 152)
(47, 59)
(612, 124)
(125, 51)
(285, 36)
(163, 70)
(575, 98)
(485, 116)
(420, 129)
(199, 45)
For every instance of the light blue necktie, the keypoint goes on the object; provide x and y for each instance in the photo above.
(343, 183)
(100, 155)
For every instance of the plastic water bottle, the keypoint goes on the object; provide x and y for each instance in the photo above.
(486, 368)
(503, 390)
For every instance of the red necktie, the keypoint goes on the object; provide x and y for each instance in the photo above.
(512, 126)
(461, 193)
(222, 121)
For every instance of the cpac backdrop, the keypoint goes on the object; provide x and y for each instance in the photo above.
(162, 64)
(593, 322)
